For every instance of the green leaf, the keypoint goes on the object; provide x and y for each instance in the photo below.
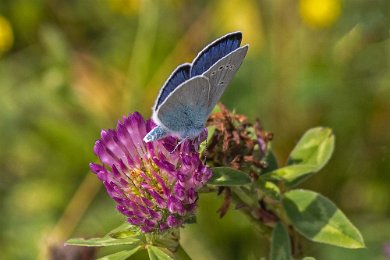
(291, 174)
(123, 226)
(318, 219)
(308, 258)
(315, 148)
(281, 245)
(272, 163)
(159, 253)
(225, 176)
(125, 231)
(122, 255)
(103, 241)
(117, 236)
(270, 189)
(310, 155)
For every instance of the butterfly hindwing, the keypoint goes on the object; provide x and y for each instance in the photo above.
(184, 111)
(214, 52)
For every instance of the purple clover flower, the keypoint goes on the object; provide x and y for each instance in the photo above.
(155, 188)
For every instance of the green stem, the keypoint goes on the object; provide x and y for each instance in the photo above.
(182, 254)
(247, 210)
(244, 196)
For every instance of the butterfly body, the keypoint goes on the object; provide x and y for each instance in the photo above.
(191, 92)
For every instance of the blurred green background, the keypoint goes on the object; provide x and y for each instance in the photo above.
(71, 68)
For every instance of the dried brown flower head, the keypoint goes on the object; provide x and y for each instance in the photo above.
(237, 143)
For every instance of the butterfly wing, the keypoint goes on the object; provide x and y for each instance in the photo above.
(192, 90)
(185, 110)
(214, 52)
(221, 73)
(178, 76)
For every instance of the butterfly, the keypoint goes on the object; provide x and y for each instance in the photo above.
(190, 93)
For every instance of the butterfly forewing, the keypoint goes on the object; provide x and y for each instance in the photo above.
(184, 111)
(178, 76)
(222, 72)
(214, 52)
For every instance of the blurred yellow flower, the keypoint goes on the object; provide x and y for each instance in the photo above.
(6, 35)
(125, 7)
(319, 13)
(244, 16)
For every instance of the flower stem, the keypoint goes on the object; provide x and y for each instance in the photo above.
(182, 254)
(248, 211)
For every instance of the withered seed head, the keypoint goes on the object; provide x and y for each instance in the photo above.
(239, 144)
(236, 142)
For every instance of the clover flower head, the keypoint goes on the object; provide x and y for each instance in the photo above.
(155, 185)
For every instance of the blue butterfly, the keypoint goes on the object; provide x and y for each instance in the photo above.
(191, 92)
